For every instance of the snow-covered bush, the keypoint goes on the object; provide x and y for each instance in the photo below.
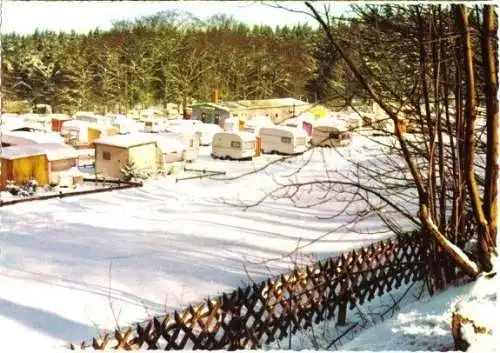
(130, 172)
(28, 188)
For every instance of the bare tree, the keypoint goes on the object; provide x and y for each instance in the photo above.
(425, 179)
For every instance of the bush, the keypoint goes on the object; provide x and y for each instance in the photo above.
(130, 172)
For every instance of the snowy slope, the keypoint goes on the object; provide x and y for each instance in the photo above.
(71, 267)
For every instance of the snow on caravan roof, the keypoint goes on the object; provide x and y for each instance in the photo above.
(169, 144)
(53, 151)
(27, 137)
(126, 141)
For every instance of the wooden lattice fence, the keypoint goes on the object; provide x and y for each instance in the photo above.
(278, 307)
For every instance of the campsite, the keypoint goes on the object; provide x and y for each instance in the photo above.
(249, 176)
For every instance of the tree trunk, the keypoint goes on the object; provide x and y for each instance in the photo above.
(491, 90)
(484, 240)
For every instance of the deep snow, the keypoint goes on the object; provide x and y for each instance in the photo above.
(72, 267)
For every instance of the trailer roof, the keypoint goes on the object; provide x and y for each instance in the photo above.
(286, 129)
(127, 141)
(243, 135)
(53, 151)
(28, 137)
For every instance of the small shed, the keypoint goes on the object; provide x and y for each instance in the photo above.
(210, 113)
(58, 120)
(45, 163)
(112, 153)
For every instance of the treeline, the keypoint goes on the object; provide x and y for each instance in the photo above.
(168, 57)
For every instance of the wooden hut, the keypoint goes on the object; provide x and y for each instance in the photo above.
(45, 163)
(113, 153)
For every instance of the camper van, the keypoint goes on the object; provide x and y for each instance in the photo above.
(330, 134)
(283, 139)
(233, 145)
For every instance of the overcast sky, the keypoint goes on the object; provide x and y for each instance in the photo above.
(82, 16)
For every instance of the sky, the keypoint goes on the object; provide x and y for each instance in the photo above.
(81, 16)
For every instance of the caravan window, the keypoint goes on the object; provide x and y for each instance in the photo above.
(286, 139)
(235, 144)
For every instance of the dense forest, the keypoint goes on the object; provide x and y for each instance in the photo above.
(168, 57)
(174, 57)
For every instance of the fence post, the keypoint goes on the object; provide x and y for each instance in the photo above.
(236, 328)
(344, 293)
(344, 299)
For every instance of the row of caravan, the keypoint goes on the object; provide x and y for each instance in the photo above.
(278, 139)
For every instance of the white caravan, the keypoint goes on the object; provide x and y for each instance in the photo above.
(207, 132)
(330, 133)
(18, 138)
(190, 140)
(255, 123)
(283, 139)
(233, 145)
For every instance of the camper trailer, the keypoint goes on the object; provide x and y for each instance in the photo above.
(181, 125)
(37, 122)
(207, 132)
(330, 134)
(383, 126)
(353, 121)
(190, 140)
(154, 125)
(93, 118)
(256, 123)
(283, 139)
(77, 132)
(125, 125)
(233, 124)
(18, 138)
(233, 145)
(169, 151)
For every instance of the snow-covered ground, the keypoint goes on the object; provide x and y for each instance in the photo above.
(417, 323)
(72, 267)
